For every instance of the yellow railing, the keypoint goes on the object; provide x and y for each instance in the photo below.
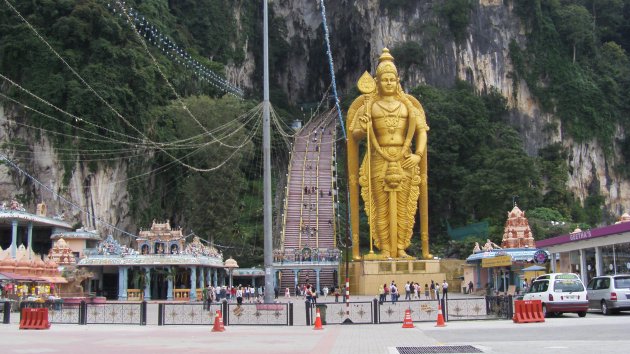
(286, 201)
(333, 173)
(302, 192)
(181, 294)
(135, 294)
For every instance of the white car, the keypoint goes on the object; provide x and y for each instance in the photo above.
(559, 293)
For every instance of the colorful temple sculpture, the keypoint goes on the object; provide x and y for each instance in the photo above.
(503, 269)
(517, 233)
(624, 218)
(161, 266)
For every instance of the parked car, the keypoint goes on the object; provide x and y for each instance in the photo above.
(559, 293)
(609, 293)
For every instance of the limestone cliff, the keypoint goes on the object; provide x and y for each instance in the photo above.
(359, 30)
(102, 193)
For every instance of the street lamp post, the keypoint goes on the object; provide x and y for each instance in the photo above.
(229, 266)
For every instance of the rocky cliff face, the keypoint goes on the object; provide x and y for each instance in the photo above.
(102, 193)
(359, 30)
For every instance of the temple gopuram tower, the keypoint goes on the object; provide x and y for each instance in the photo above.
(517, 233)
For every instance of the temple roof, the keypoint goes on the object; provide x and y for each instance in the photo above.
(79, 234)
(517, 254)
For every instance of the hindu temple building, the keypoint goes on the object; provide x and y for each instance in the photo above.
(19, 227)
(161, 266)
(25, 268)
(589, 253)
(504, 268)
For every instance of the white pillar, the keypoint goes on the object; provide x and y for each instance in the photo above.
(122, 284)
(169, 291)
(14, 226)
(147, 283)
(193, 284)
(30, 239)
(583, 266)
(598, 261)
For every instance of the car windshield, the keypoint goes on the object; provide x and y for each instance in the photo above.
(622, 282)
(567, 285)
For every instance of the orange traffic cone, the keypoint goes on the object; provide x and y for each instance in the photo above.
(318, 321)
(218, 322)
(440, 318)
(407, 322)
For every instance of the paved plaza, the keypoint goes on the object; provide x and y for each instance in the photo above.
(566, 334)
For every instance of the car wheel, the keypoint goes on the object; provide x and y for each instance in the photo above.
(544, 311)
(582, 313)
(605, 309)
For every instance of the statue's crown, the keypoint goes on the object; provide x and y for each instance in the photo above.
(386, 64)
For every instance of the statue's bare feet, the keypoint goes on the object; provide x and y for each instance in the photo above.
(385, 254)
(403, 254)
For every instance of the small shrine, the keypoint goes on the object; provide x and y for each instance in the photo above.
(61, 253)
(160, 239)
(517, 233)
(624, 218)
(503, 269)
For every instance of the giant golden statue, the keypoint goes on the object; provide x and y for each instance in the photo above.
(393, 174)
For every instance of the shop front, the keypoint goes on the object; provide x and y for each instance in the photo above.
(590, 253)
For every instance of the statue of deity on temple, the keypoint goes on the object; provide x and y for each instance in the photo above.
(393, 173)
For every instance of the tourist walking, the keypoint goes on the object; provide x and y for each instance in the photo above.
(444, 289)
(432, 290)
(407, 291)
(426, 291)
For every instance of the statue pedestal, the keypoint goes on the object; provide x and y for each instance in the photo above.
(367, 275)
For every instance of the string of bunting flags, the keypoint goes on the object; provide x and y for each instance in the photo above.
(172, 50)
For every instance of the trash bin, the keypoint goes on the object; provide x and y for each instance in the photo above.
(464, 290)
(322, 312)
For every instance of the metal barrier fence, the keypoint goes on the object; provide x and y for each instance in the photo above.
(279, 314)
(116, 313)
(187, 313)
(83, 313)
(341, 312)
(421, 310)
(478, 308)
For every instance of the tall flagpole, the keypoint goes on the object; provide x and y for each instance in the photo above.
(268, 242)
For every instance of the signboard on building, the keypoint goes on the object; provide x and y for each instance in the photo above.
(499, 261)
(541, 257)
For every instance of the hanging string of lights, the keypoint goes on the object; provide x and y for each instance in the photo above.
(172, 50)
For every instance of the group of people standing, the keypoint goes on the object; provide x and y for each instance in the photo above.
(413, 291)
(238, 293)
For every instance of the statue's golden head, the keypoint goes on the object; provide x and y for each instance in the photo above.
(386, 64)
